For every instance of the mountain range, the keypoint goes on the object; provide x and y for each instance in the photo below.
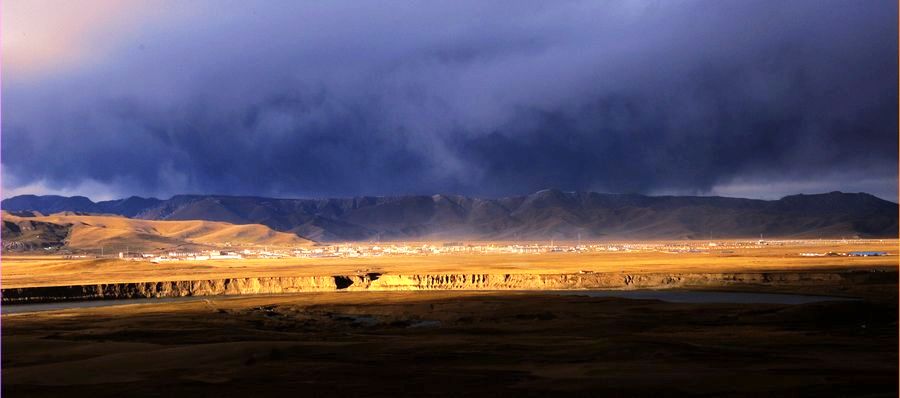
(547, 214)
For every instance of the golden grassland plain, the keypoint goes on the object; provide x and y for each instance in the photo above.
(453, 343)
(34, 270)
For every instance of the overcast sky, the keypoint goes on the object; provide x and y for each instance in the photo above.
(744, 98)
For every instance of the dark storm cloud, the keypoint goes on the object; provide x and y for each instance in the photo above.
(359, 98)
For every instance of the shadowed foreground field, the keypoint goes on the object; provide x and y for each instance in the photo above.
(453, 344)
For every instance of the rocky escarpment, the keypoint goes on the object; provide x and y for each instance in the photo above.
(281, 285)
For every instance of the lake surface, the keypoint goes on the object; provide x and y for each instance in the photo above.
(671, 296)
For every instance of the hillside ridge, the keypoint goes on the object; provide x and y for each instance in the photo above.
(77, 230)
(546, 214)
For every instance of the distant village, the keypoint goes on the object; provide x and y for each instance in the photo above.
(363, 250)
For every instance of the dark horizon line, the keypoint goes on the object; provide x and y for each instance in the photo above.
(446, 194)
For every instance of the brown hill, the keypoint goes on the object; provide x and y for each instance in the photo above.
(116, 233)
(548, 214)
(27, 234)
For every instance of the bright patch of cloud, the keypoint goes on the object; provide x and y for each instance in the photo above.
(46, 36)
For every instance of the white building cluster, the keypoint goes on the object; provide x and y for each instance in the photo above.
(182, 256)
(362, 250)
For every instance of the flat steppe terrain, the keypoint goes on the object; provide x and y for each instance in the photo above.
(453, 344)
(30, 271)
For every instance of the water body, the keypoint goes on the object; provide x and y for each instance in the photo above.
(671, 296)
(704, 297)
(64, 305)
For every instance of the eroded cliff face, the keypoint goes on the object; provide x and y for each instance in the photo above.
(208, 287)
(585, 281)
(280, 285)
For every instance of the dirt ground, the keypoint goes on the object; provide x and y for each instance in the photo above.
(453, 344)
(460, 343)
